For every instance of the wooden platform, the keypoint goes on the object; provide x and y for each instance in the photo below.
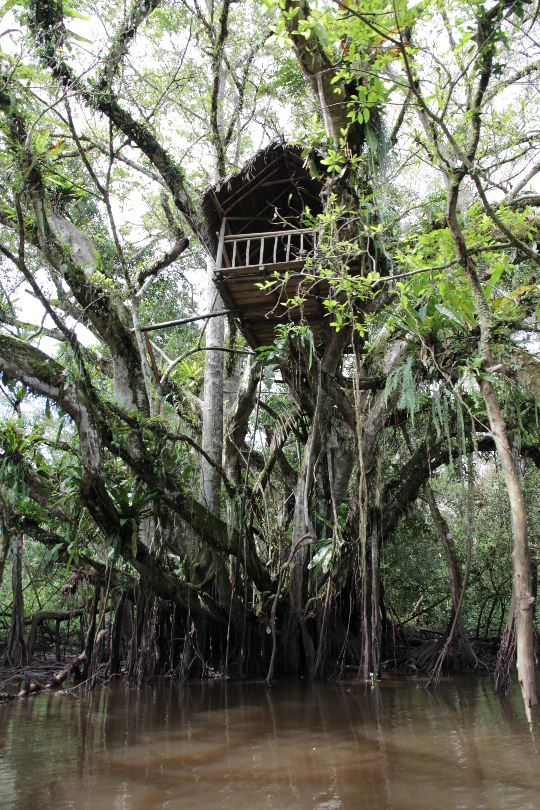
(261, 310)
(259, 220)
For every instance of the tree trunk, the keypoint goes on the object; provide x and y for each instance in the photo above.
(454, 569)
(16, 651)
(376, 575)
(212, 435)
(147, 652)
(116, 637)
(522, 608)
(319, 434)
(522, 597)
(188, 653)
(90, 635)
(302, 526)
(4, 549)
(297, 587)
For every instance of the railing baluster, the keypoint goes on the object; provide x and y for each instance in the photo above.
(304, 238)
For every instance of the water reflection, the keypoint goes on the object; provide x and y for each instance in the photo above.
(300, 745)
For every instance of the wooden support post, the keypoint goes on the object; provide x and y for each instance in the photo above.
(219, 257)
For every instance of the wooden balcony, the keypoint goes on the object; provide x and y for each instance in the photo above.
(243, 261)
(256, 218)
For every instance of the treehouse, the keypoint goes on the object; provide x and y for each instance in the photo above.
(257, 218)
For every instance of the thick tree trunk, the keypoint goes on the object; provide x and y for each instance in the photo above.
(298, 584)
(212, 436)
(16, 651)
(319, 433)
(320, 76)
(237, 427)
(147, 651)
(343, 462)
(4, 549)
(212, 433)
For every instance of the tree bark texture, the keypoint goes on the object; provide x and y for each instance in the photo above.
(522, 576)
(4, 550)
(116, 637)
(315, 448)
(522, 596)
(212, 435)
(16, 650)
(90, 634)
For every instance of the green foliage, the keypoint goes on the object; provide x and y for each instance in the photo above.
(403, 377)
(385, 253)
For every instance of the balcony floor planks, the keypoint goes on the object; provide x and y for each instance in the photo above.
(261, 310)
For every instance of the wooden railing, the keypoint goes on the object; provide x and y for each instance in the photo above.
(260, 249)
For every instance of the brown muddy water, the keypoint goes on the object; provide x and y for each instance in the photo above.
(218, 746)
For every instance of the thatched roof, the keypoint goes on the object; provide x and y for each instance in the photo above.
(271, 187)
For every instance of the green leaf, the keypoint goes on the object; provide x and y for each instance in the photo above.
(7, 6)
(72, 554)
(451, 314)
(78, 37)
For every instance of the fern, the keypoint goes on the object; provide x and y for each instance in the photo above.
(403, 378)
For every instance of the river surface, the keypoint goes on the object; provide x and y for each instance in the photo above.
(215, 746)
